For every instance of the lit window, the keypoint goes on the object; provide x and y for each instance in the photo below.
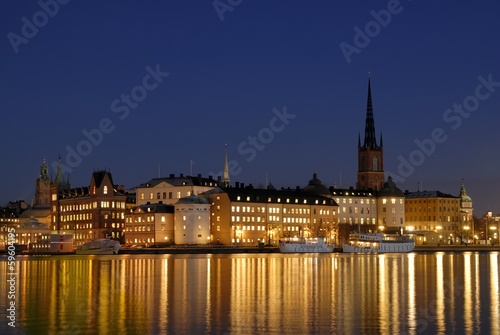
(105, 191)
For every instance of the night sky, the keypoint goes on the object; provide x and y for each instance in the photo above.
(158, 84)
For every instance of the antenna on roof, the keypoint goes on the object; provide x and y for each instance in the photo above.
(191, 163)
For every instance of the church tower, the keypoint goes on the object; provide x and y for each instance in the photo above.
(42, 188)
(370, 155)
(225, 180)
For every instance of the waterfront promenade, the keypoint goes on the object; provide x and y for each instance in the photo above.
(272, 249)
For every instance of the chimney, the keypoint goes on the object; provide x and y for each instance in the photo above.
(181, 175)
(237, 184)
(172, 175)
(242, 185)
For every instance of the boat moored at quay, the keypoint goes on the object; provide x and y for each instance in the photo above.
(99, 246)
(305, 245)
(378, 243)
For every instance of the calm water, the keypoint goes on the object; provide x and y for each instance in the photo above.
(418, 293)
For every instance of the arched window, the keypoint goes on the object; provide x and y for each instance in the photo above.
(375, 164)
(105, 190)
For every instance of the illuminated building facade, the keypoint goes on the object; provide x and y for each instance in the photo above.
(150, 224)
(192, 220)
(170, 190)
(433, 211)
(246, 216)
(97, 211)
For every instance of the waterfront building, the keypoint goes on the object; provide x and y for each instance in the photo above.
(391, 208)
(487, 231)
(31, 235)
(97, 211)
(192, 220)
(170, 189)
(244, 215)
(357, 211)
(433, 211)
(150, 224)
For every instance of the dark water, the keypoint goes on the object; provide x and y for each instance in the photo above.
(417, 293)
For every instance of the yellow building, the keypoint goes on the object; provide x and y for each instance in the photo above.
(247, 216)
(433, 211)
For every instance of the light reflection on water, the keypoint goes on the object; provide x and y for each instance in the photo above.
(417, 293)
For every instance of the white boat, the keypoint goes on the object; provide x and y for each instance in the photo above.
(378, 243)
(99, 246)
(305, 245)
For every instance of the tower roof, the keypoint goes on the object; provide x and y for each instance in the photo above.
(315, 186)
(226, 170)
(464, 197)
(370, 140)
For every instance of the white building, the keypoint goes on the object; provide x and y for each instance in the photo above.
(170, 190)
(192, 220)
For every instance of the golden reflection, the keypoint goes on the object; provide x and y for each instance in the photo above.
(468, 322)
(382, 292)
(440, 296)
(494, 294)
(477, 293)
(433, 293)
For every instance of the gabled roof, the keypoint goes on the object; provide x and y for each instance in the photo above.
(98, 177)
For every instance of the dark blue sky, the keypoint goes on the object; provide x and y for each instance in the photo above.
(225, 78)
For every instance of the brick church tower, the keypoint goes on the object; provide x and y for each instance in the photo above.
(370, 155)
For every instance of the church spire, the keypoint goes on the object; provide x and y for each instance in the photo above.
(226, 170)
(59, 179)
(370, 140)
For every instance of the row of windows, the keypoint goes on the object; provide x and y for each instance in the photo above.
(140, 240)
(423, 209)
(287, 200)
(428, 218)
(441, 201)
(104, 204)
(356, 220)
(393, 210)
(361, 210)
(393, 201)
(355, 201)
(163, 195)
(258, 228)
(90, 225)
(147, 218)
